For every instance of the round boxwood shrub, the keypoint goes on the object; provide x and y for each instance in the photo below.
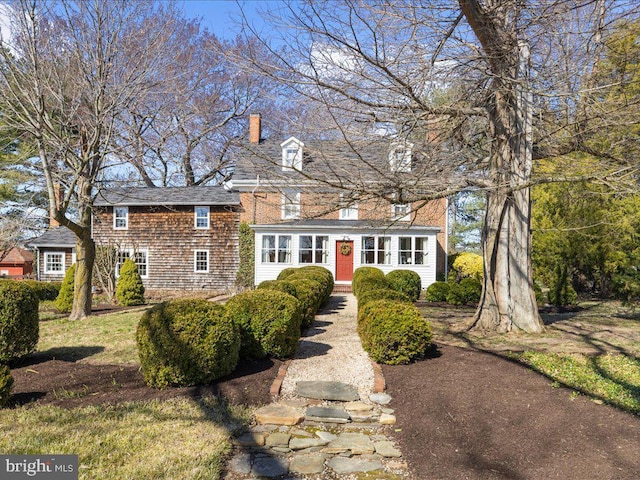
(373, 283)
(44, 290)
(407, 282)
(309, 294)
(393, 332)
(279, 285)
(361, 273)
(381, 294)
(186, 342)
(437, 292)
(6, 383)
(321, 275)
(269, 322)
(468, 291)
(64, 300)
(129, 289)
(286, 273)
(19, 321)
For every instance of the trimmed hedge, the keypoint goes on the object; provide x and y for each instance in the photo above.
(437, 292)
(381, 294)
(468, 291)
(279, 285)
(6, 384)
(284, 274)
(269, 322)
(407, 282)
(393, 332)
(19, 320)
(44, 290)
(64, 300)
(315, 273)
(129, 289)
(373, 282)
(186, 342)
(361, 273)
(309, 294)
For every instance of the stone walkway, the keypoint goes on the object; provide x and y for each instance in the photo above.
(328, 423)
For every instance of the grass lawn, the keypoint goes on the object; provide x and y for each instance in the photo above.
(180, 438)
(594, 350)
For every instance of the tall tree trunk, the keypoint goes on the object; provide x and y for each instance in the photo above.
(85, 254)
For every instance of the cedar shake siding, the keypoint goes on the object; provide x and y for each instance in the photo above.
(166, 232)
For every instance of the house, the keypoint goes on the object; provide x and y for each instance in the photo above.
(55, 252)
(16, 263)
(181, 238)
(299, 219)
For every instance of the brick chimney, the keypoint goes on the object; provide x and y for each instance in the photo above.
(255, 128)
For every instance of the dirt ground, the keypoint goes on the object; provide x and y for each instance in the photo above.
(67, 383)
(473, 415)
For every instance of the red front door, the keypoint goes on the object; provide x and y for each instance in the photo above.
(344, 263)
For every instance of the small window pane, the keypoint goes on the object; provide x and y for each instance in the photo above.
(306, 249)
(368, 250)
(405, 253)
(421, 250)
(202, 261)
(322, 249)
(120, 215)
(202, 217)
(54, 263)
(268, 249)
(284, 249)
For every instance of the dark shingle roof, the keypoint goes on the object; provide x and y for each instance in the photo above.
(143, 196)
(55, 237)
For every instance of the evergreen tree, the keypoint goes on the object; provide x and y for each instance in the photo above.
(129, 289)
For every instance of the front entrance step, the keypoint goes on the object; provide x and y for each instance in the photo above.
(342, 288)
(337, 391)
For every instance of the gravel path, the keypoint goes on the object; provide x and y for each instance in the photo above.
(331, 350)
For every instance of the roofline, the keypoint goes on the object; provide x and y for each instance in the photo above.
(165, 204)
(382, 228)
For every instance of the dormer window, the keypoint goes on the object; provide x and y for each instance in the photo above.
(400, 158)
(292, 154)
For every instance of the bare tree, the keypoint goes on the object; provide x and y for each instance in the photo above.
(66, 77)
(481, 88)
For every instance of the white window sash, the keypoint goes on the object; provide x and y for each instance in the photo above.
(123, 218)
(47, 263)
(199, 218)
(197, 261)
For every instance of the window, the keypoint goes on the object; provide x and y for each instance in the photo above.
(400, 159)
(314, 249)
(292, 154)
(140, 258)
(401, 212)
(412, 251)
(54, 263)
(201, 261)
(290, 205)
(376, 250)
(276, 249)
(201, 217)
(120, 218)
(349, 211)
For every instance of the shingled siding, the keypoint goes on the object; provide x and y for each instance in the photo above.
(170, 238)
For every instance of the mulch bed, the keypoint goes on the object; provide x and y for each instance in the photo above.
(466, 414)
(41, 379)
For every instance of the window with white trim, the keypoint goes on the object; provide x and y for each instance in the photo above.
(400, 159)
(276, 249)
(54, 263)
(376, 250)
(140, 258)
(120, 218)
(314, 249)
(291, 154)
(201, 261)
(401, 212)
(412, 250)
(349, 211)
(201, 217)
(290, 205)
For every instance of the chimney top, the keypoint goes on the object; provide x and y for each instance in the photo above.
(255, 128)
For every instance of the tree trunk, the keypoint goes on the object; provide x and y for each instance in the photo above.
(85, 253)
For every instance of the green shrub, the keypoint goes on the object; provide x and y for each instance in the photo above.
(269, 322)
(284, 274)
(309, 294)
(245, 277)
(407, 282)
(186, 342)
(317, 274)
(373, 282)
(381, 294)
(6, 383)
(64, 300)
(44, 290)
(437, 292)
(468, 291)
(561, 291)
(279, 285)
(393, 332)
(467, 265)
(19, 321)
(361, 273)
(129, 289)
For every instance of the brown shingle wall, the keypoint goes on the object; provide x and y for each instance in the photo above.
(171, 239)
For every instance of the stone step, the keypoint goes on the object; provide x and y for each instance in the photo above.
(327, 391)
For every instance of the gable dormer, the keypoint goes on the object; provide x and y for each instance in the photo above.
(292, 154)
(400, 157)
